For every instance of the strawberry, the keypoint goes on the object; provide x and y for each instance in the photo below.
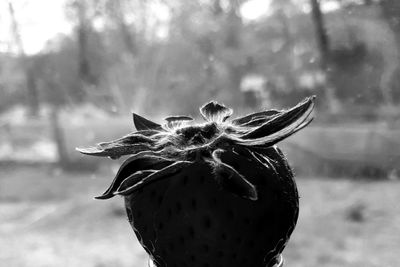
(216, 194)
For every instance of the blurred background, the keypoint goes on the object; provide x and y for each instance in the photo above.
(71, 73)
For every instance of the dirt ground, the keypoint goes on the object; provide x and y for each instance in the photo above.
(49, 218)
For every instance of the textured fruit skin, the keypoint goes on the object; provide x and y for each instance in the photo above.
(216, 194)
(189, 220)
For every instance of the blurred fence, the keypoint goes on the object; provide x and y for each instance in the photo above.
(355, 150)
(358, 150)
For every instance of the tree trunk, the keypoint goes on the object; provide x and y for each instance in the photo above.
(32, 92)
(30, 79)
(233, 42)
(58, 137)
(320, 32)
(332, 102)
(84, 69)
(391, 13)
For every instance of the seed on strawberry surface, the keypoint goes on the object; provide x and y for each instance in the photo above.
(218, 193)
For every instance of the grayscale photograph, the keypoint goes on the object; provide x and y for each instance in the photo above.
(202, 133)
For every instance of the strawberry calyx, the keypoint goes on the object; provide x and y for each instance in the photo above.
(159, 151)
(144, 124)
(215, 112)
(230, 179)
(176, 121)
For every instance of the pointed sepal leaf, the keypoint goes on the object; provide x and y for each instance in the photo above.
(142, 123)
(231, 180)
(166, 172)
(287, 120)
(129, 144)
(280, 126)
(273, 260)
(276, 137)
(215, 112)
(137, 167)
(130, 180)
(111, 151)
(114, 150)
(178, 118)
(134, 179)
(256, 118)
(174, 122)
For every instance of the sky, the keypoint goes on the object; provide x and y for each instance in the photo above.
(41, 20)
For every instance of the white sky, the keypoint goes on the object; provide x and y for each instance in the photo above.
(39, 21)
(42, 20)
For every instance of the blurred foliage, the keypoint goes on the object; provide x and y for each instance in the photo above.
(158, 57)
(171, 56)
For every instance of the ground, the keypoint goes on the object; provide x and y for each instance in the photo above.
(49, 218)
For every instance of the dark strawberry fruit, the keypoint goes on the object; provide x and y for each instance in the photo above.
(212, 194)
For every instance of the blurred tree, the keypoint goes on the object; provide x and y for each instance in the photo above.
(283, 16)
(364, 54)
(233, 45)
(324, 51)
(82, 30)
(83, 27)
(117, 11)
(140, 54)
(30, 79)
(391, 12)
(320, 32)
(64, 160)
(115, 14)
(217, 30)
(90, 48)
